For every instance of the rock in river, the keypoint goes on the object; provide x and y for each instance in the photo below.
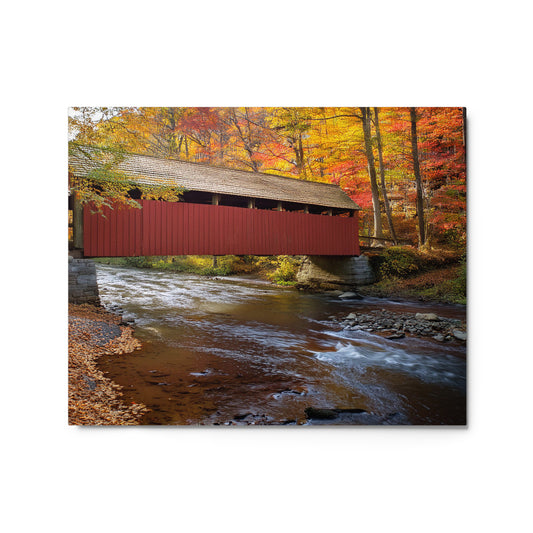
(350, 296)
(316, 413)
(426, 316)
(458, 334)
(396, 336)
(320, 414)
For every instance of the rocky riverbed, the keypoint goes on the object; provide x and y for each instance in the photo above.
(399, 325)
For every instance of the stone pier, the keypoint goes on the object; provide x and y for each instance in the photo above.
(82, 285)
(334, 272)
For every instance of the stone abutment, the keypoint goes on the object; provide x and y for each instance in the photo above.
(82, 284)
(333, 272)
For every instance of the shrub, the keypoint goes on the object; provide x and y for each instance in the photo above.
(460, 281)
(399, 262)
(139, 262)
(222, 270)
(286, 270)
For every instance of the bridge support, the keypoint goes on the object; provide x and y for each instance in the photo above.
(82, 285)
(334, 272)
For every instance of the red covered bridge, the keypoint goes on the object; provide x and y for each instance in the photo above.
(221, 212)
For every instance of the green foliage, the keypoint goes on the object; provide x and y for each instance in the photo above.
(286, 269)
(138, 262)
(279, 269)
(104, 184)
(399, 262)
(454, 237)
(459, 283)
(202, 265)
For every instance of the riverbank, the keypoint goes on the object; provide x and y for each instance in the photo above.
(401, 272)
(94, 399)
(443, 285)
(279, 269)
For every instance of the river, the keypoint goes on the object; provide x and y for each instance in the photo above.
(244, 351)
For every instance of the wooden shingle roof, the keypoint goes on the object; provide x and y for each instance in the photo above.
(152, 170)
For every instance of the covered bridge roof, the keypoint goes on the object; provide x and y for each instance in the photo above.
(152, 170)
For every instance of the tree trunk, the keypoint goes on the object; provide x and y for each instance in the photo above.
(418, 179)
(172, 132)
(301, 157)
(378, 229)
(77, 222)
(382, 176)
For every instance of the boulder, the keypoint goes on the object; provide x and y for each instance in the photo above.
(241, 416)
(426, 316)
(396, 336)
(349, 295)
(458, 334)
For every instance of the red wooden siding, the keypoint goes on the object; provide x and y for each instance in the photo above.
(166, 228)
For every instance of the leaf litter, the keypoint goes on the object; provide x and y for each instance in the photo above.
(93, 399)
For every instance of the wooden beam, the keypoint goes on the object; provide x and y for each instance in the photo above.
(306, 209)
(215, 199)
(280, 206)
(251, 203)
(77, 222)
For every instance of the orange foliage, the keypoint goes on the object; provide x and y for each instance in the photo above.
(313, 143)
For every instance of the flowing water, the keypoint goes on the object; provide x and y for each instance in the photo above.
(243, 351)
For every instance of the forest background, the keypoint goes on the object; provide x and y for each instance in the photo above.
(405, 167)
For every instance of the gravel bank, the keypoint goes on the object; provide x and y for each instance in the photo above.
(398, 325)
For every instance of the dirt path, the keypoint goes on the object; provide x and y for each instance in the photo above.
(94, 399)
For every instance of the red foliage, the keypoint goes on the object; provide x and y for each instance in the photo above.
(323, 144)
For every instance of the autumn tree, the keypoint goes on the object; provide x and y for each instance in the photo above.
(418, 179)
(292, 123)
(382, 176)
(443, 164)
(98, 154)
(367, 131)
(247, 133)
